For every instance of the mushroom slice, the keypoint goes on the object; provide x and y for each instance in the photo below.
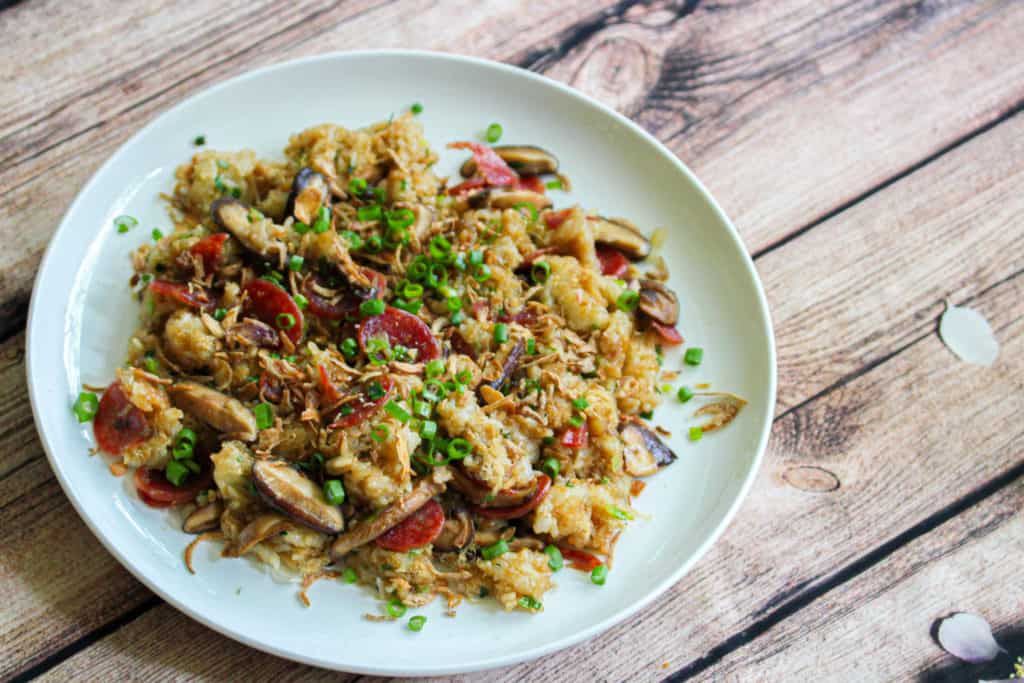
(203, 519)
(220, 411)
(309, 193)
(510, 199)
(366, 531)
(524, 159)
(479, 494)
(643, 452)
(659, 302)
(285, 488)
(509, 367)
(255, 235)
(620, 234)
(458, 531)
(258, 530)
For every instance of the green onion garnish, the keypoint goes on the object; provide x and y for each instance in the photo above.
(371, 212)
(540, 272)
(151, 364)
(264, 416)
(412, 290)
(396, 608)
(381, 433)
(334, 492)
(85, 406)
(300, 227)
(301, 301)
(396, 411)
(454, 304)
(371, 307)
(374, 391)
(323, 220)
(379, 351)
(199, 140)
(125, 223)
(693, 356)
(500, 333)
(285, 321)
(534, 214)
(457, 318)
(580, 403)
(188, 436)
(352, 238)
(400, 218)
(482, 273)
(416, 623)
(349, 347)
(416, 108)
(433, 390)
(439, 247)
(356, 186)
(619, 513)
(599, 575)
(435, 368)
(496, 550)
(437, 275)
(380, 194)
(295, 263)
(628, 300)
(157, 234)
(176, 472)
(554, 185)
(458, 449)
(418, 269)
(220, 313)
(684, 394)
(551, 467)
(531, 346)
(464, 376)
(576, 421)
(428, 430)
(494, 133)
(527, 602)
(696, 433)
(476, 257)
(555, 560)
(350, 575)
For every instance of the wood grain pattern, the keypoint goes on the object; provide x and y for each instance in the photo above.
(786, 109)
(869, 147)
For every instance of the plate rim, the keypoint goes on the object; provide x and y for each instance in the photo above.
(36, 399)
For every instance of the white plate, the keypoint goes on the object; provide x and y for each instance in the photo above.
(82, 315)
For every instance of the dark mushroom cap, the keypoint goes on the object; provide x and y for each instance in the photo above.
(524, 159)
(309, 192)
(285, 488)
(643, 452)
(658, 302)
(620, 234)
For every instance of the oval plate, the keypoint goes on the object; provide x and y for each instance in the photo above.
(82, 314)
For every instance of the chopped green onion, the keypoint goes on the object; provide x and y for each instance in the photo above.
(357, 186)
(555, 560)
(628, 300)
(437, 275)
(693, 356)
(182, 450)
(476, 257)
(199, 140)
(400, 218)
(353, 239)
(464, 376)
(434, 391)
(531, 346)
(371, 212)
(527, 602)
(458, 449)
(599, 575)
(576, 421)
(334, 492)
(396, 411)
(380, 194)
(580, 403)
(551, 467)
(408, 306)
(374, 391)
(157, 235)
(412, 290)
(416, 108)
(418, 269)
(482, 273)
(540, 272)
(500, 333)
(350, 575)
(496, 550)
(295, 263)
(220, 313)
(378, 351)
(647, 414)
(435, 368)
(300, 227)
(534, 214)
(619, 513)
(349, 347)
(439, 247)
(346, 410)
(151, 364)
(371, 307)
(285, 321)
(396, 608)
(458, 317)
(187, 435)
(684, 394)
(85, 406)
(264, 416)
(454, 304)
(696, 433)
(494, 133)
(176, 472)
(381, 433)
(554, 185)
(301, 301)
(125, 223)
(416, 623)
(323, 220)
(428, 430)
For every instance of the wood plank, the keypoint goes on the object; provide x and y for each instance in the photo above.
(786, 109)
(879, 624)
(871, 434)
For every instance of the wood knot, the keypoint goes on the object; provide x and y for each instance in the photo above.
(11, 356)
(811, 478)
(616, 72)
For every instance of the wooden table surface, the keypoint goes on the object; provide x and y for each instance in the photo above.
(870, 153)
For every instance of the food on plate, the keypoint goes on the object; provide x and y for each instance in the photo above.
(349, 366)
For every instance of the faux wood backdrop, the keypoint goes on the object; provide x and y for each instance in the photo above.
(869, 152)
